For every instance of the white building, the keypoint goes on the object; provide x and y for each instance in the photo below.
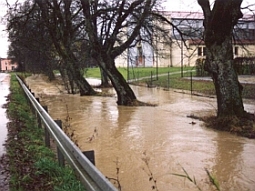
(185, 53)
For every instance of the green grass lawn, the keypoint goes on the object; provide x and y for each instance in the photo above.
(173, 80)
(135, 73)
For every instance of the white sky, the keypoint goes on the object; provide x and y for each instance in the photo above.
(170, 5)
(192, 5)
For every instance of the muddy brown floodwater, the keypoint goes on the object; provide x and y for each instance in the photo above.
(160, 140)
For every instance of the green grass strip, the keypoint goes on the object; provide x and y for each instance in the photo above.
(32, 165)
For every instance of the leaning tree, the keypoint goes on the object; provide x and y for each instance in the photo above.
(112, 27)
(219, 22)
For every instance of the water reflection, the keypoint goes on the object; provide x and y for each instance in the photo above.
(125, 136)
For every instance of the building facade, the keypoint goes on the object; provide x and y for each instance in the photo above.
(187, 47)
(7, 65)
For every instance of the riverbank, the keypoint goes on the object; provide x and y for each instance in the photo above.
(31, 165)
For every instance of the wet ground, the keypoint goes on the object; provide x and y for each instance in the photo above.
(4, 91)
(145, 142)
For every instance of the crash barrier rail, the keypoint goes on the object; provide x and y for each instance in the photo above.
(90, 176)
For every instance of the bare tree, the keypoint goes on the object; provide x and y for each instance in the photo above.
(62, 19)
(107, 25)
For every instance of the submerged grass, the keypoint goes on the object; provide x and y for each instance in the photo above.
(32, 166)
(214, 182)
(240, 126)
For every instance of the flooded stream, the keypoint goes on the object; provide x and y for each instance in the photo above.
(159, 140)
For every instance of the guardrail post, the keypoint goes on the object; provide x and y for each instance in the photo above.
(39, 122)
(168, 80)
(61, 158)
(46, 132)
(90, 155)
(31, 105)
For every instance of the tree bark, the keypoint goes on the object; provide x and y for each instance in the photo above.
(228, 90)
(125, 95)
(219, 24)
(77, 75)
(104, 79)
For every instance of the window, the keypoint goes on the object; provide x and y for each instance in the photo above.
(199, 51)
(236, 50)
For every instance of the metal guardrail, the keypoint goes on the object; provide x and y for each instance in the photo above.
(90, 176)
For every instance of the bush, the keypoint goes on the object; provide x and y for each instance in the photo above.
(200, 65)
(244, 65)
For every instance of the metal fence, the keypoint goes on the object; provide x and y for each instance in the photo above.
(90, 176)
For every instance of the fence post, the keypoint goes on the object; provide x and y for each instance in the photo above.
(168, 80)
(151, 77)
(191, 83)
(61, 158)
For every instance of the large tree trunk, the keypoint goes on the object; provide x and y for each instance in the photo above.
(77, 74)
(65, 79)
(228, 89)
(219, 23)
(104, 79)
(124, 92)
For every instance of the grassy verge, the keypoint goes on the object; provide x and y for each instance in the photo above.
(174, 80)
(32, 166)
(198, 86)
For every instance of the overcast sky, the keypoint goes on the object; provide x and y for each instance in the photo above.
(169, 5)
(192, 5)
